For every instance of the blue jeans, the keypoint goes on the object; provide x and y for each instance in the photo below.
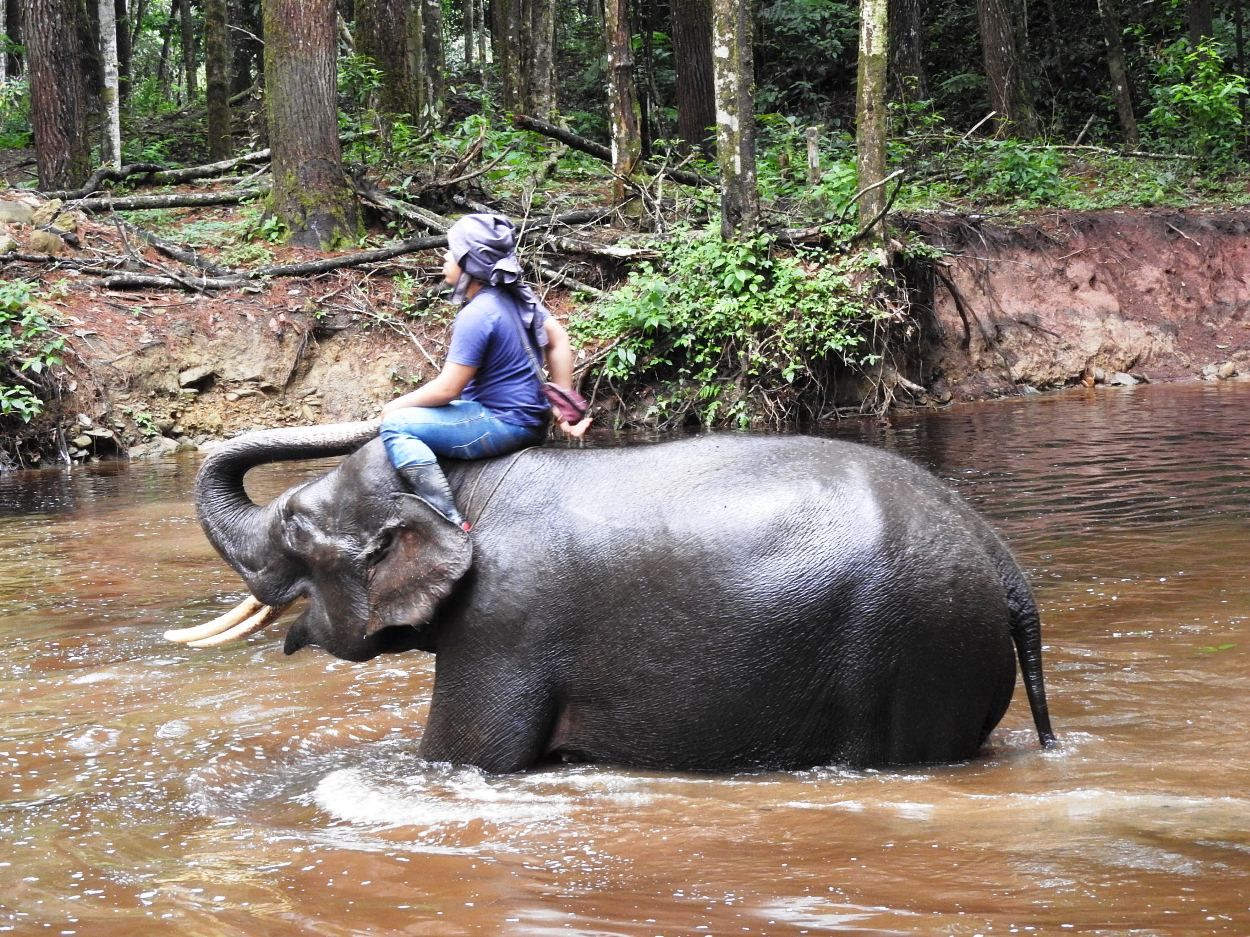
(464, 429)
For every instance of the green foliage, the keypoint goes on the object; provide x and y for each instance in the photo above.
(30, 350)
(1197, 102)
(733, 332)
(807, 58)
(15, 131)
(1009, 169)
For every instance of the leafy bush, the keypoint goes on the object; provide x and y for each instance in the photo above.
(1013, 170)
(734, 332)
(15, 132)
(1197, 102)
(30, 350)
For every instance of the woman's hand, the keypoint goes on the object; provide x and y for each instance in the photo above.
(575, 430)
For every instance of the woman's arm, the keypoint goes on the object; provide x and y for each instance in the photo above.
(438, 392)
(560, 369)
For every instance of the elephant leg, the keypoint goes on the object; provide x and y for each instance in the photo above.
(498, 721)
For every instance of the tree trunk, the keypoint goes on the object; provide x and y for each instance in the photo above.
(692, 58)
(167, 35)
(733, 64)
(110, 99)
(872, 113)
(189, 59)
(907, 79)
(217, 78)
(245, 51)
(435, 63)
(541, 82)
(1006, 70)
(382, 35)
(622, 97)
(121, 16)
(310, 194)
(1111, 32)
(4, 52)
(470, 36)
(1201, 24)
(57, 97)
(506, 41)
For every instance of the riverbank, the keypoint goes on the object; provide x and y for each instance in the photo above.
(1062, 298)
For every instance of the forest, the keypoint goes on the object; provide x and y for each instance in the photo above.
(723, 191)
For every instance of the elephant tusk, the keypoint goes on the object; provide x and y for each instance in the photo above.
(257, 621)
(245, 609)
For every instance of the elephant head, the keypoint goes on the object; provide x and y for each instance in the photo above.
(373, 561)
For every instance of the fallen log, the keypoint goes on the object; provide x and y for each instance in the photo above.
(173, 200)
(599, 151)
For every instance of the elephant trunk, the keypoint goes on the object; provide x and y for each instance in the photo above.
(233, 523)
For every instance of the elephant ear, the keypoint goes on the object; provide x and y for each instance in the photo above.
(425, 557)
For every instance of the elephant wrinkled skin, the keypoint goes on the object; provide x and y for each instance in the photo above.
(723, 602)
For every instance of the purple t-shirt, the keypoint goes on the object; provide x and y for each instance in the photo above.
(487, 335)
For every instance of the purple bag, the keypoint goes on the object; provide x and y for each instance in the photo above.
(569, 405)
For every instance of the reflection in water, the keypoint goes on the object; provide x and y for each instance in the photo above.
(239, 792)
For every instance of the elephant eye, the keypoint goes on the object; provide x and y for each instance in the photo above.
(376, 548)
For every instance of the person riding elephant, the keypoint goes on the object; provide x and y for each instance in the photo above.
(488, 399)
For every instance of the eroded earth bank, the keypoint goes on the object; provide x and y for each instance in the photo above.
(1064, 298)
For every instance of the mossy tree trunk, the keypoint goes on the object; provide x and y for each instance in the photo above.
(623, 113)
(125, 54)
(692, 58)
(190, 63)
(871, 113)
(506, 33)
(310, 195)
(1006, 66)
(110, 99)
(540, 77)
(469, 21)
(907, 78)
(734, 77)
(57, 94)
(1111, 33)
(435, 64)
(382, 36)
(217, 78)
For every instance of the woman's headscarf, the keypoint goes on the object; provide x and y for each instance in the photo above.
(484, 246)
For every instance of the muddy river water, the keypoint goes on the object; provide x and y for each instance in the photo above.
(150, 788)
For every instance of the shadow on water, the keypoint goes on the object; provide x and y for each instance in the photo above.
(145, 786)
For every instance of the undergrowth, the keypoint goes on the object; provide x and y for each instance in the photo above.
(737, 332)
(30, 351)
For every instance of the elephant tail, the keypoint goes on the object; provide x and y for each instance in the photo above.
(1026, 634)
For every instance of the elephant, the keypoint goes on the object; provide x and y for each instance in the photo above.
(723, 602)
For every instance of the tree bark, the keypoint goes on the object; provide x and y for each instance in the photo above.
(4, 52)
(1201, 23)
(310, 194)
(541, 80)
(506, 35)
(189, 59)
(57, 96)
(121, 16)
(692, 58)
(435, 63)
(245, 50)
(907, 78)
(167, 35)
(1006, 70)
(733, 64)
(217, 78)
(871, 115)
(622, 97)
(470, 33)
(1111, 33)
(110, 99)
(382, 35)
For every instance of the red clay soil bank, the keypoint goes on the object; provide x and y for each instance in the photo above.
(1161, 295)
